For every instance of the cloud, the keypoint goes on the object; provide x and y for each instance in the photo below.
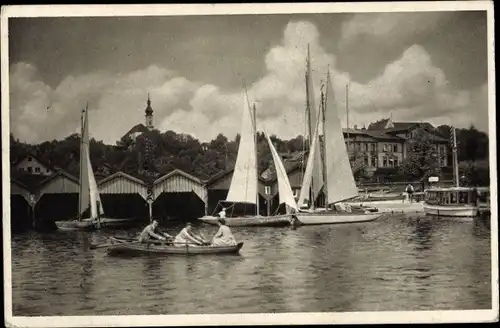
(411, 88)
(389, 27)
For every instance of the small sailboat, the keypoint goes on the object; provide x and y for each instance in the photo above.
(88, 195)
(338, 181)
(243, 191)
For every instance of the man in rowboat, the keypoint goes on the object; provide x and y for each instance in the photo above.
(224, 236)
(188, 236)
(150, 233)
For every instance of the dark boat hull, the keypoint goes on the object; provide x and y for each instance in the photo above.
(132, 247)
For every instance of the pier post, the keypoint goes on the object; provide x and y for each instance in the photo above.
(32, 205)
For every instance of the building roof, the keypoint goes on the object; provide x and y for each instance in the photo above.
(141, 128)
(28, 181)
(289, 168)
(31, 154)
(122, 174)
(378, 125)
(181, 173)
(223, 174)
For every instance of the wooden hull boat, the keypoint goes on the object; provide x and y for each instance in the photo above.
(315, 218)
(252, 221)
(111, 222)
(126, 246)
(74, 225)
(464, 210)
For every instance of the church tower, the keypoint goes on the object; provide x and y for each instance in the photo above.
(149, 115)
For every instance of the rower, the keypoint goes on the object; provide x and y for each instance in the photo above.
(188, 236)
(150, 232)
(224, 236)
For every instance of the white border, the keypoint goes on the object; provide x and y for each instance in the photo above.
(245, 319)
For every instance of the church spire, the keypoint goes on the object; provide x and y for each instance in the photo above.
(149, 114)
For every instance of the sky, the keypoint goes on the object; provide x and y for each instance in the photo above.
(421, 66)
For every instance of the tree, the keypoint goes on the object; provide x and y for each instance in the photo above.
(421, 161)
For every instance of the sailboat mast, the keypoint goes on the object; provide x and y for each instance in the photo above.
(455, 156)
(347, 113)
(81, 166)
(254, 116)
(324, 99)
(308, 111)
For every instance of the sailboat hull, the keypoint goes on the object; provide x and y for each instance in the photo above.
(111, 222)
(252, 221)
(74, 225)
(335, 218)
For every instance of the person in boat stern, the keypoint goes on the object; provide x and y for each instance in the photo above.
(224, 236)
(188, 236)
(222, 213)
(150, 232)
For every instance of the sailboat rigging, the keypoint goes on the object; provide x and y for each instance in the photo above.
(88, 193)
(339, 184)
(244, 183)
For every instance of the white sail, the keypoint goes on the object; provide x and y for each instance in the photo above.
(340, 179)
(92, 185)
(313, 112)
(308, 175)
(284, 188)
(243, 188)
(84, 194)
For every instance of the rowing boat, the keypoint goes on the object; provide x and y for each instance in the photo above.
(128, 246)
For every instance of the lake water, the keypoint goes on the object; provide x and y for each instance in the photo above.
(396, 263)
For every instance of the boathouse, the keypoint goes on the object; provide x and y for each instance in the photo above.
(56, 198)
(218, 188)
(179, 195)
(124, 196)
(20, 208)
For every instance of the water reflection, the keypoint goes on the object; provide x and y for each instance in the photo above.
(397, 263)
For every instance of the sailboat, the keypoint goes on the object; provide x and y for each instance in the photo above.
(243, 189)
(88, 194)
(338, 180)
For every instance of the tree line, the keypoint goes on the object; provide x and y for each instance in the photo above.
(156, 153)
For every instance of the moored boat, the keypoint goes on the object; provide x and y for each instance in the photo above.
(88, 193)
(126, 246)
(316, 218)
(331, 172)
(451, 202)
(252, 221)
(244, 182)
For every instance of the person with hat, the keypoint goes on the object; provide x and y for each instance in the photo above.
(188, 236)
(224, 236)
(150, 232)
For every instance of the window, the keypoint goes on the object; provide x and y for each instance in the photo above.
(374, 161)
(453, 198)
(48, 170)
(267, 190)
(366, 147)
(384, 161)
(384, 148)
(396, 162)
(30, 158)
(395, 148)
(37, 169)
(374, 147)
(463, 197)
(30, 169)
(366, 160)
